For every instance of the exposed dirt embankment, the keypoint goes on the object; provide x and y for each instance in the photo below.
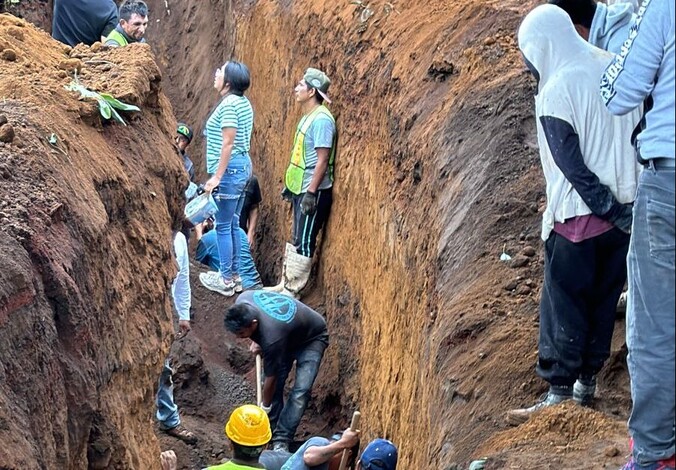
(86, 213)
(38, 12)
(432, 336)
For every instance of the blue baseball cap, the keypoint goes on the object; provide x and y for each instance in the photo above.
(380, 454)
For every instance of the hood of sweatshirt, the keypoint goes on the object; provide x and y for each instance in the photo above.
(549, 42)
(610, 26)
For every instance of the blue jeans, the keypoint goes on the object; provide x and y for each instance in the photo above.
(167, 411)
(650, 317)
(207, 253)
(229, 199)
(285, 417)
(247, 268)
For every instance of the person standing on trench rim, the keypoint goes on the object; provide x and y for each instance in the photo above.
(309, 179)
(644, 72)
(591, 177)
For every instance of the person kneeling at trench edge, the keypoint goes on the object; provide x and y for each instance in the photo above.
(282, 329)
(591, 178)
(308, 180)
(167, 410)
(248, 430)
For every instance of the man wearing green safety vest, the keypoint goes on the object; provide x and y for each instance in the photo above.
(132, 26)
(248, 430)
(309, 179)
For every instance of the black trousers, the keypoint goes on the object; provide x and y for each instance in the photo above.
(307, 227)
(583, 282)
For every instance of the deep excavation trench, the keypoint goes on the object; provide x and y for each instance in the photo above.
(433, 338)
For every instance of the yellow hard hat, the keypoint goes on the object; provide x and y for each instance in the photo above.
(249, 426)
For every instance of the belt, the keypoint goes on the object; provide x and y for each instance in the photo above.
(661, 164)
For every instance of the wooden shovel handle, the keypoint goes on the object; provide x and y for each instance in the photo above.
(354, 425)
(259, 385)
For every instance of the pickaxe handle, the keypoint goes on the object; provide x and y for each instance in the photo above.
(354, 425)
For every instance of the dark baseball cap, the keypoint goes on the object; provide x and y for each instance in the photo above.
(380, 454)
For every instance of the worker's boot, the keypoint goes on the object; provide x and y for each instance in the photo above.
(584, 390)
(297, 274)
(280, 287)
(553, 397)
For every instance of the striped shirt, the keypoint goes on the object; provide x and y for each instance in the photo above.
(232, 112)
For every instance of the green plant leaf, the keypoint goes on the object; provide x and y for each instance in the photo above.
(115, 103)
(117, 117)
(107, 102)
(105, 109)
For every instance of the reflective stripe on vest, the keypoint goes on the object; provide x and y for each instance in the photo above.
(116, 36)
(296, 169)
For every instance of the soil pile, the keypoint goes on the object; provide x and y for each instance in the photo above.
(86, 213)
(38, 12)
(566, 436)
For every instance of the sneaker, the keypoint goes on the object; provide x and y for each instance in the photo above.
(583, 394)
(214, 282)
(238, 284)
(280, 446)
(521, 415)
(660, 465)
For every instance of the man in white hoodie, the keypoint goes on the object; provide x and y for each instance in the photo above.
(591, 173)
(604, 26)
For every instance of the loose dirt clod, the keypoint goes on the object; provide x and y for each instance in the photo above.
(8, 55)
(6, 133)
(71, 65)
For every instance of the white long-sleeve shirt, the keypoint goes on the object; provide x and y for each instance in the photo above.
(180, 288)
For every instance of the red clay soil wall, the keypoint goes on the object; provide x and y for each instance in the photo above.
(38, 12)
(433, 107)
(85, 255)
(433, 338)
